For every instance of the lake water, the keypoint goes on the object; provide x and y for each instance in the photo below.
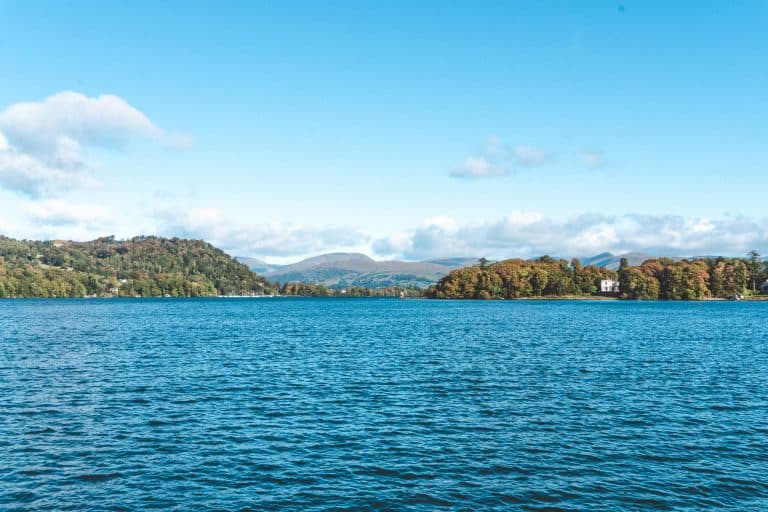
(367, 404)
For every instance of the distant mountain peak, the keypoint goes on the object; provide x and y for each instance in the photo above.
(346, 269)
(334, 257)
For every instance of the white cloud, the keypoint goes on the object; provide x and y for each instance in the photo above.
(479, 167)
(54, 218)
(530, 156)
(525, 234)
(434, 236)
(55, 212)
(495, 159)
(24, 173)
(393, 245)
(39, 126)
(42, 143)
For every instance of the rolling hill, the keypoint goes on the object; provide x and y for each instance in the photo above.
(611, 261)
(145, 266)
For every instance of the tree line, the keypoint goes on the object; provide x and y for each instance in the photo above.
(695, 279)
(174, 267)
(320, 290)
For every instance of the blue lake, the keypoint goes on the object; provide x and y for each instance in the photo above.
(367, 404)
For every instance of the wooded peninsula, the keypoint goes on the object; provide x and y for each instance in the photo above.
(662, 278)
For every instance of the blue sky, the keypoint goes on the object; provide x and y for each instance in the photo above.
(398, 129)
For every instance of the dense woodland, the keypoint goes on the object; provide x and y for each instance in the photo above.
(655, 279)
(141, 266)
(692, 279)
(517, 278)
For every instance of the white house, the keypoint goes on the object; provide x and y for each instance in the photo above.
(609, 286)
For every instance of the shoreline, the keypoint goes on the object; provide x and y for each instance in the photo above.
(588, 298)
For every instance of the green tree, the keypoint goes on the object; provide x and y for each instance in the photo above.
(625, 276)
(755, 264)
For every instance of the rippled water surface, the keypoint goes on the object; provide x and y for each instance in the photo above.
(304, 404)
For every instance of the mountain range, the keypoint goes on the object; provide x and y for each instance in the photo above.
(341, 270)
(611, 261)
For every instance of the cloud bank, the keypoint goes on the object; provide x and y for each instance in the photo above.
(518, 234)
(526, 235)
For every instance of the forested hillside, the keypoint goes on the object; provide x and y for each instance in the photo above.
(141, 266)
